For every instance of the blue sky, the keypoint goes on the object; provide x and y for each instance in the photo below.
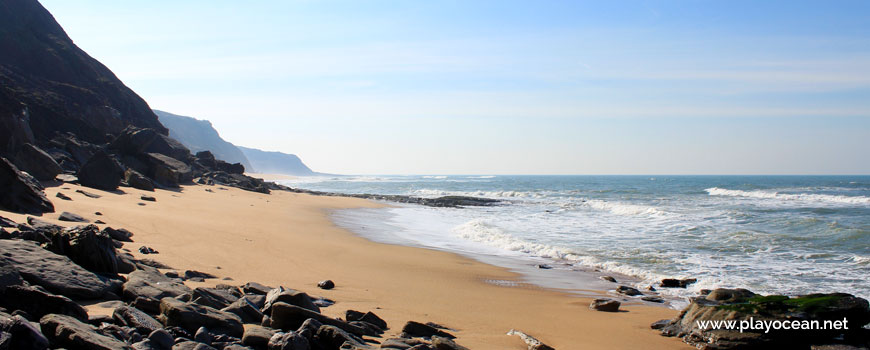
(505, 87)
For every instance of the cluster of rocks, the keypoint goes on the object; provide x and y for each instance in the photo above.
(444, 201)
(46, 270)
(741, 305)
(140, 158)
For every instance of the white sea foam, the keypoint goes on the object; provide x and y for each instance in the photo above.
(437, 177)
(803, 197)
(479, 230)
(625, 209)
(425, 192)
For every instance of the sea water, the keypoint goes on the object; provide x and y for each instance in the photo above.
(771, 234)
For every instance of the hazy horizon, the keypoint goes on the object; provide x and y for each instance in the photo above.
(497, 88)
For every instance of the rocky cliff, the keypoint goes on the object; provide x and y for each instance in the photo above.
(267, 162)
(49, 86)
(199, 135)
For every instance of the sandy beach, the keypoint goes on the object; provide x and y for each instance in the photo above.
(287, 239)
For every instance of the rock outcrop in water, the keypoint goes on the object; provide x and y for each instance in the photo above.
(444, 202)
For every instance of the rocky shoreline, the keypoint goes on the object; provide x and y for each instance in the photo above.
(46, 271)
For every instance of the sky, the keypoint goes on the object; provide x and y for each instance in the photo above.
(505, 87)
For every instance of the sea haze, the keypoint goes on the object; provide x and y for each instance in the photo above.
(771, 234)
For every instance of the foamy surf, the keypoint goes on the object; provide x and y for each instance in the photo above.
(802, 197)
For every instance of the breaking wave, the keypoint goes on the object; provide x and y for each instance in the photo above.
(802, 197)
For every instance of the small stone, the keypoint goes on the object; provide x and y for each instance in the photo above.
(99, 222)
(606, 305)
(88, 194)
(653, 299)
(148, 198)
(660, 324)
(98, 213)
(326, 284)
(70, 217)
(543, 266)
(608, 279)
(630, 291)
(63, 196)
(147, 250)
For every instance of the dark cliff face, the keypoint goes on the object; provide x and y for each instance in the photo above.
(50, 85)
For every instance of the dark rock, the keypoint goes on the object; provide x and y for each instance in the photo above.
(37, 163)
(101, 172)
(660, 324)
(38, 302)
(166, 170)
(190, 316)
(326, 284)
(148, 198)
(88, 194)
(22, 335)
(43, 225)
(120, 234)
(161, 339)
(608, 279)
(289, 317)
(289, 296)
(246, 310)
(21, 193)
(417, 329)
(70, 217)
(677, 283)
(56, 273)
(287, 341)
(441, 343)
(153, 263)
(607, 305)
(742, 305)
(369, 317)
(630, 291)
(653, 299)
(334, 338)
(729, 295)
(63, 196)
(188, 274)
(137, 180)
(191, 345)
(401, 343)
(544, 266)
(203, 336)
(100, 222)
(256, 288)
(148, 287)
(322, 302)
(65, 331)
(532, 342)
(257, 337)
(8, 275)
(147, 250)
(213, 297)
(368, 328)
(96, 320)
(88, 247)
(235, 180)
(124, 334)
(135, 318)
(4, 222)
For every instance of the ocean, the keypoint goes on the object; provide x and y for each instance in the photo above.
(771, 234)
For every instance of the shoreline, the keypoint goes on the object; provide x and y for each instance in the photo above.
(223, 232)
